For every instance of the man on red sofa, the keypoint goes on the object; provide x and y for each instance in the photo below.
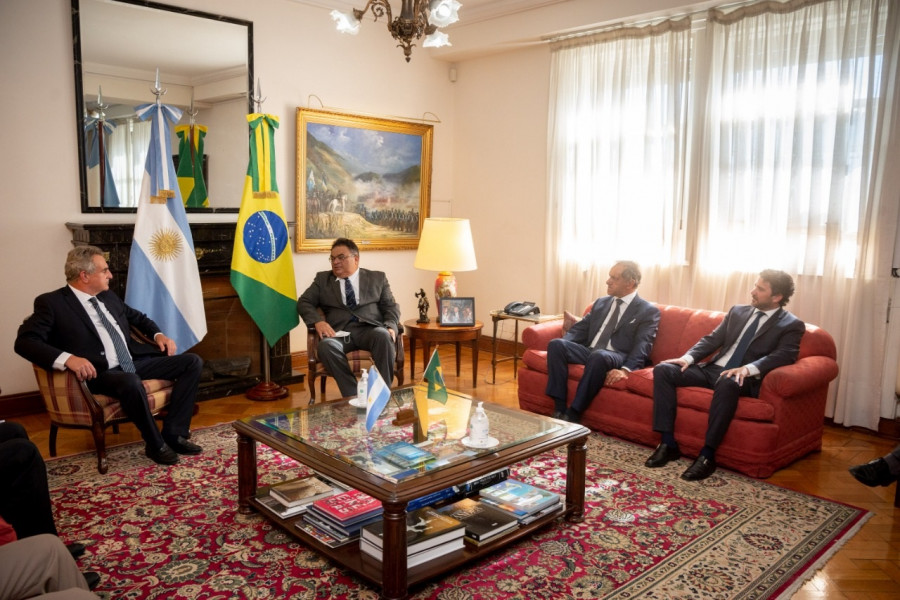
(751, 341)
(612, 340)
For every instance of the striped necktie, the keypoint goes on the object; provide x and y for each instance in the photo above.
(121, 349)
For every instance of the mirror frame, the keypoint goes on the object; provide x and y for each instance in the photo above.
(79, 94)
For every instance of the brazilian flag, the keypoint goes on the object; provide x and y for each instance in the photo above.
(262, 269)
(190, 165)
(437, 390)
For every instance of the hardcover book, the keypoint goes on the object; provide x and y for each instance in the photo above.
(425, 528)
(479, 483)
(418, 558)
(482, 521)
(518, 496)
(302, 491)
(330, 526)
(348, 506)
(279, 509)
(322, 536)
(405, 454)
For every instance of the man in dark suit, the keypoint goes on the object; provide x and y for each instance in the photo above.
(349, 300)
(612, 340)
(84, 327)
(751, 341)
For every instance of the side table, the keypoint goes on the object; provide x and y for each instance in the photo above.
(499, 315)
(433, 333)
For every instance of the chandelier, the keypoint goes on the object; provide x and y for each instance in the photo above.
(417, 18)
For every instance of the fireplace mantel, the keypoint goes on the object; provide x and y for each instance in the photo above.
(231, 331)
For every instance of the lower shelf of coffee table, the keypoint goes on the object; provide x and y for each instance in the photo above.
(367, 567)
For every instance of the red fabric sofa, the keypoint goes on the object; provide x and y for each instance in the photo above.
(768, 433)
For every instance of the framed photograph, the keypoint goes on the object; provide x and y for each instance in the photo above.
(457, 311)
(364, 178)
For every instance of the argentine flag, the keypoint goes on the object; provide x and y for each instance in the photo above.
(377, 398)
(163, 277)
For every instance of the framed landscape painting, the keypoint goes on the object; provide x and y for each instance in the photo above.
(363, 178)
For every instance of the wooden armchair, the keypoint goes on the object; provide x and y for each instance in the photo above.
(358, 359)
(71, 404)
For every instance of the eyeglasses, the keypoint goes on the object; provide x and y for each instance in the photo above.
(339, 258)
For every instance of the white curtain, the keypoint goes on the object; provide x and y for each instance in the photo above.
(790, 129)
(127, 149)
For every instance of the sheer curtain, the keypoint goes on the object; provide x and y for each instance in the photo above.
(128, 152)
(617, 156)
(791, 126)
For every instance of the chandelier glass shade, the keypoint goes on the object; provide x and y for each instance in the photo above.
(418, 19)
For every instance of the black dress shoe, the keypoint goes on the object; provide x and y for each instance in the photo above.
(183, 446)
(662, 455)
(572, 417)
(162, 456)
(873, 473)
(75, 549)
(557, 414)
(92, 578)
(701, 469)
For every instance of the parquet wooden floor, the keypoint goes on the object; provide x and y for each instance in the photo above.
(866, 568)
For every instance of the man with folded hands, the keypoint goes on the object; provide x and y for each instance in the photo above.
(351, 309)
(611, 341)
(752, 340)
(86, 328)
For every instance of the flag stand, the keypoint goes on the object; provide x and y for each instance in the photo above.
(266, 389)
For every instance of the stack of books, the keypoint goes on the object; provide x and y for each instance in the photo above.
(525, 502)
(482, 521)
(340, 517)
(429, 535)
(294, 497)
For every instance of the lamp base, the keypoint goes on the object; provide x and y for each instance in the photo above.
(444, 287)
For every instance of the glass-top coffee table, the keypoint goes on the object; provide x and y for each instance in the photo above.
(331, 438)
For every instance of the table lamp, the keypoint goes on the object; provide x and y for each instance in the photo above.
(445, 246)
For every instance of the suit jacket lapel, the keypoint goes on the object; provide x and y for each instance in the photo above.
(78, 309)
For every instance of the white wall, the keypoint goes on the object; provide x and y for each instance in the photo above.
(297, 53)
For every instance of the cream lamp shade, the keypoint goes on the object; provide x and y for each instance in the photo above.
(445, 246)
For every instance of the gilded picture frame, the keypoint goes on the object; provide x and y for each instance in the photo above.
(364, 178)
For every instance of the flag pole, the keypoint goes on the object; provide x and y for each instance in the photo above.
(266, 389)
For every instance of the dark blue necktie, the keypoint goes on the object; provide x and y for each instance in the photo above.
(737, 358)
(122, 352)
(350, 294)
(607, 332)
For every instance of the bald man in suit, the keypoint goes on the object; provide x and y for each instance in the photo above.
(629, 324)
(368, 312)
(736, 369)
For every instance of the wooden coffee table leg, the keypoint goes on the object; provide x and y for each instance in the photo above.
(247, 473)
(576, 466)
(394, 584)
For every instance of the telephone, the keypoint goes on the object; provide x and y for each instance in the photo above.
(522, 309)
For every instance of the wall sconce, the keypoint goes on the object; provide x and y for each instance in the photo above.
(445, 246)
(417, 18)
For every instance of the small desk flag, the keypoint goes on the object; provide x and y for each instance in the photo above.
(377, 398)
(163, 275)
(435, 376)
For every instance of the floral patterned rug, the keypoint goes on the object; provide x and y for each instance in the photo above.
(174, 532)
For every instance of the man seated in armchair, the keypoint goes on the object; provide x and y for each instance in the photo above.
(351, 309)
(85, 327)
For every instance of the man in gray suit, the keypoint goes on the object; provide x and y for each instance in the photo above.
(351, 309)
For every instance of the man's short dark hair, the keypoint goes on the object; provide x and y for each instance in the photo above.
(780, 282)
(631, 271)
(350, 244)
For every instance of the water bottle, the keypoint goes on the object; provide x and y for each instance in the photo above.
(478, 426)
(362, 387)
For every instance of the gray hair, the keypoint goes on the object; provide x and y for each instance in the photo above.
(630, 271)
(81, 258)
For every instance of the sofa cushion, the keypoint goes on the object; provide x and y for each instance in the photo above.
(568, 321)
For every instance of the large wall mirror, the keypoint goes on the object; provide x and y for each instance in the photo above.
(205, 61)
